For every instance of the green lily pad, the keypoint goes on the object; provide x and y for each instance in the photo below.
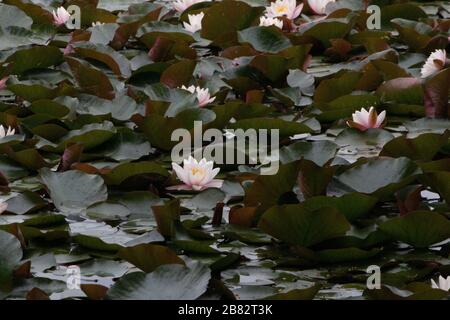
(90, 136)
(125, 145)
(158, 129)
(294, 224)
(49, 107)
(13, 16)
(10, 256)
(385, 175)
(319, 152)
(402, 90)
(25, 203)
(73, 191)
(268, 190)
(331, 89)
(121, 108)
(35, 58)
(424, 147)
(420, 229)
(114, 60)
(108, 211)
(286, 128)
(327, 29)
(351, 205)
(178, 74)
(127, 170)
(369, 138)
(217, 25)
(401, 10)
(265, 39)
(148, 257)
(90, 79)
(439, 181)
(167, 282)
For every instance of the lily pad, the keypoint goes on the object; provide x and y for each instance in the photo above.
(296, 225)
(420, 229)
(265, 39)
(167, 282)
(73, 191)
(149, 257)
(385, 175)
(10, 256)
(25, 203)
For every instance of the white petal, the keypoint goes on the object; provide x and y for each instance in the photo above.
(212, 174)
(381, 118)
(216, 183)
(434, 285)
(198, 187)
(442, 283)
(209, 166)
(319, 6)
(430, 67)
(10, 131)
(361, 118)
(297, 11)
(196, 178)
(180, 172)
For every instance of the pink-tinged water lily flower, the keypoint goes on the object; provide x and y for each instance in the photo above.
(3, 83)
(203, 95)
(196, 175)
(286, 8)
(435, 62)
(3, 207)
(9, 132)
(68, 49)
(266, 22)
(61, 16)
(318, 6)
(181, 5)
(195, 22)
(364, 119)
(444, 284)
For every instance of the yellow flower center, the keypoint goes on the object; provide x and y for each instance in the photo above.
(282, 9)
(194, 171)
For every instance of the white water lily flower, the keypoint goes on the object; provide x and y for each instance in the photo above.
(364, 119)
(3, 83)
(266, 22)
(203, 95)
(9, 132)
(195, 22)
(181, 5)
(444, 284)
(318, 6)
(61, 16)
(196, 175)
(435, 62)
(97, 24)
(286, 8)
